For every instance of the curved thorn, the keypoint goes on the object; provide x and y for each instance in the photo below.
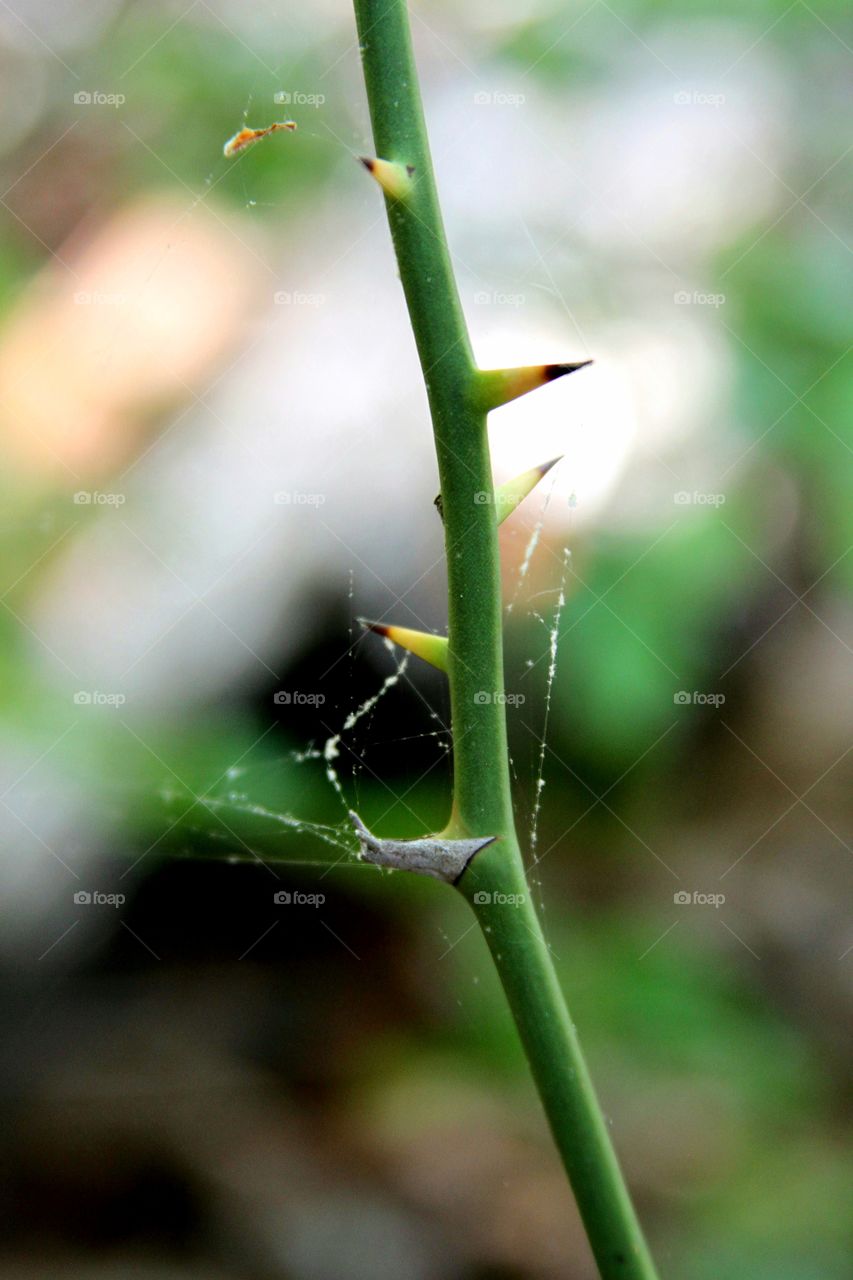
(431, 856)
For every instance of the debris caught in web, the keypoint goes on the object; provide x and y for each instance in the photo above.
(246, 136)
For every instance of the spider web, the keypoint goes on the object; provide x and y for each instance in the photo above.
(234, 811)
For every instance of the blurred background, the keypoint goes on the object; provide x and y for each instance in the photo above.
(228, 1049)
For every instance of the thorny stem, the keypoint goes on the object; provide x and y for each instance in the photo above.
(495, 883)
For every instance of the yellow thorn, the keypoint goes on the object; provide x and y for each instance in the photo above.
(499, 386)
(509, 495)
(394, 179)
(432, 649)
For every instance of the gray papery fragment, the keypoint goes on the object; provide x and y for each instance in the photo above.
(431, 856)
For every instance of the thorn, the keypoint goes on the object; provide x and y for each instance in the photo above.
(245, 137)
(394, 179)
(553, 371)
(509, 495)
(499, 386)
(434, 856)
(432, 649)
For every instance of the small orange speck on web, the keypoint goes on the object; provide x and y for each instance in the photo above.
(245, 137)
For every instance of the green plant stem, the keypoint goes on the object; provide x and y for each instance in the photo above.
(482, 803)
